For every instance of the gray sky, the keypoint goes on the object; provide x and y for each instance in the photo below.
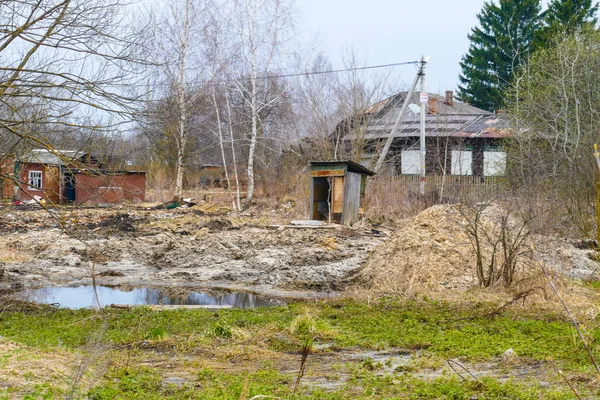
(387, 31)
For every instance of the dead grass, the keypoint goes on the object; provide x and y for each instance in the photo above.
(23, 368)
(10, 255)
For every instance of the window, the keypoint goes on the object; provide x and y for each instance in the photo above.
(410, 161)
(494, 163)
(35, 180)
(462, 162)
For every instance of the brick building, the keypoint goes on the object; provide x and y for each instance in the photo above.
(76, 177)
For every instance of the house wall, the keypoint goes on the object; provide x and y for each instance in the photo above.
(110, 188)
(50, 190)
(439, 153)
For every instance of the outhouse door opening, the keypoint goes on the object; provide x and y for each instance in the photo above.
(327, 198)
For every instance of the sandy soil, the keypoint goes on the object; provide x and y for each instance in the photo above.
(180, 247)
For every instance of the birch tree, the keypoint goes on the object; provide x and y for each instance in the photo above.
(179, 37)
(263, 31)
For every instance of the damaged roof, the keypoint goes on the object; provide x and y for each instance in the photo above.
(53, 157)
(444, 117)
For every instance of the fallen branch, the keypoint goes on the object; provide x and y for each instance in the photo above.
(559, 372)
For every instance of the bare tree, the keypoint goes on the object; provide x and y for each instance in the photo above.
(68, 66)
(554, 110)
(262, 29)
(179, 37)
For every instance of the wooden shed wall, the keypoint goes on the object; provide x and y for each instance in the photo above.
(7, 186)
(351, 198)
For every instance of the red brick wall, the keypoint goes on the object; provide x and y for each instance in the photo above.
(50, 190)
(109, 188)
(7, 169)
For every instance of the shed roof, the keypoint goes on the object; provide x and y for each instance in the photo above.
(53, 157)
(350, 166)
(445, 120)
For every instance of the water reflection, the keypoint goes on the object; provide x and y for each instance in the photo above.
(84, 296)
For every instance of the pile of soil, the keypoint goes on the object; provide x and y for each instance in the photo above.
(117, 222)
(434, 252)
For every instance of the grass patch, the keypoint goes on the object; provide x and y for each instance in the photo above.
(209, 384)
(444, 329)
(244, 338)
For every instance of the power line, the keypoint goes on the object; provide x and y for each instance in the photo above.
(332, 71)
(298, 74)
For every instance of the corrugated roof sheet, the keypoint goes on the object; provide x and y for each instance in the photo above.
(54, 157)
(456, 120)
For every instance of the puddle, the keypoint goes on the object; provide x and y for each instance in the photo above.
(84, 296)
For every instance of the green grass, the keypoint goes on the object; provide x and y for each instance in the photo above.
(444, 330)
(209, 384)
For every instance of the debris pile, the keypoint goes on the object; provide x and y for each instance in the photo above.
(116, 222)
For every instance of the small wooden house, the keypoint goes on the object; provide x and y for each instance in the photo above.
(66, 176)
(337, 190)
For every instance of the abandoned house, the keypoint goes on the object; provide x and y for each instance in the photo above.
(461, 140)
(337, 190)
(65, 176)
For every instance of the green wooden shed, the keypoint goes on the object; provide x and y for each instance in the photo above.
(337, 190)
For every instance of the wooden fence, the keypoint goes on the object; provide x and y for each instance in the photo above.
(448, 185)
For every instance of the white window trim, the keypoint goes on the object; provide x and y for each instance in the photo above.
(414, 167)
(29, 180)
(494, 163)
(461, 166)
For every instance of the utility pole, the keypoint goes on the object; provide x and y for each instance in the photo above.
(394, 131)
(423, 99)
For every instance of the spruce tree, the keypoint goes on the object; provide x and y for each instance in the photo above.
(566, 16)
(499, 45)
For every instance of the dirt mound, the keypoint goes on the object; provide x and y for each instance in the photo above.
(432, 251)
(218, 224)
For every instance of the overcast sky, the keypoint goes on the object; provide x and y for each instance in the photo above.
(388, 31)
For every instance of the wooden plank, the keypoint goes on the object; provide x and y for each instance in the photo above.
(351, 198)
(337, 201)
(282, 227)
(307, 222)
(335, 172)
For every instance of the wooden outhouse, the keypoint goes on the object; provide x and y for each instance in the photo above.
(337, 190)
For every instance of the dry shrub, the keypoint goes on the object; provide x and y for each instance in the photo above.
(387, 200)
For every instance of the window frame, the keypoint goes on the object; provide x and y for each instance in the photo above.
(30, 181)
(487, 166)
(459, 163)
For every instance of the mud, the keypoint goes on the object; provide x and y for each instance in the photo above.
(179, 247)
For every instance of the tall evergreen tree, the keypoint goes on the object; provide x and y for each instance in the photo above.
(566, 16)
(501, 43)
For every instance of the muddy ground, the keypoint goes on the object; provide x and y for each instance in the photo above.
(175, 247)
